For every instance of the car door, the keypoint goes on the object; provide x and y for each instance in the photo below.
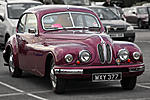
(26, 37)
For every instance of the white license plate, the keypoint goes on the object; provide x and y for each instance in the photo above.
(96, 77)
(117, 35)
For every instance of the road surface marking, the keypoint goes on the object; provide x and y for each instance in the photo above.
(10, 94)
(11, 87)
(21, 91)
(14, 94)
(143, 86)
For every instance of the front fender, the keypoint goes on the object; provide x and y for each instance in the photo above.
(61, 50)
(11, 45)
(131, 47)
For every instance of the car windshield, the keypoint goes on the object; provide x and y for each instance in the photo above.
(16, 9)
(142, 10)
(105, 14)
(69, 20)
(117, 11)
(77, 2)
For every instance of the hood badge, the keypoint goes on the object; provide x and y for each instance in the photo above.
(103, 42)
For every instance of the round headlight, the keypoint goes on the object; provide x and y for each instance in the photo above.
(123, 54)
(69, 58)
(136, 55)
(85, 56)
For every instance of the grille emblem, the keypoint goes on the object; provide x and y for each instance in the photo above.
(115, 28)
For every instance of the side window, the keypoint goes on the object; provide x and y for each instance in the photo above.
(31, 24)
(21, 24)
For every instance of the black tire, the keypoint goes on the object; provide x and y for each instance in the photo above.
(128, 83)
(58, 84)
(14, 71)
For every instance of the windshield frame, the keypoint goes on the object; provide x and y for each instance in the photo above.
(69, 12)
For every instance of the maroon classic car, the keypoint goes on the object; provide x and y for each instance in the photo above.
(68, 42)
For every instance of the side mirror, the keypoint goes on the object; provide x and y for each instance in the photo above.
(32, 30)
(1, 18)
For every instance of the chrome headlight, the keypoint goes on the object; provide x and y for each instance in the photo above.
(130, 28)
(85, 56)
(136, 55)
(69, 58)
(123, 54)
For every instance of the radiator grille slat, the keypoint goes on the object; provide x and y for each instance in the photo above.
(101, 53)
(109, 53)
(105, 55)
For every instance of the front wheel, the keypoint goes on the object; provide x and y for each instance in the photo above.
(58, 84)
(14, 71)
(128, 83)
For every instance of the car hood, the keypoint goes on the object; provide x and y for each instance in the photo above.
(70, 35)
(114, 23)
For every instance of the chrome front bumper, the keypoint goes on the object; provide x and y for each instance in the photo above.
(68, 71)
(71, 70)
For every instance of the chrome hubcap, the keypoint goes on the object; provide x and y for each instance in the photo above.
(11, 63)
(53, 78)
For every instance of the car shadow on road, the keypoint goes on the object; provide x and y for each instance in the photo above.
(75, 87)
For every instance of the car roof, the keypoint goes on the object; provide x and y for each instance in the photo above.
(41, 8)
(20, 1)
(96, 6)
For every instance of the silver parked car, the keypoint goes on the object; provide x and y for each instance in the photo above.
(117, 28)
(10, 11)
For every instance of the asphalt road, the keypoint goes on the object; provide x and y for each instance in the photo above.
(30, 87)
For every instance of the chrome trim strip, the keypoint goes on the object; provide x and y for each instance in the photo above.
(137, 69)
(68, 71)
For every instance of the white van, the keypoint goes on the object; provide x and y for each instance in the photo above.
(10, 12)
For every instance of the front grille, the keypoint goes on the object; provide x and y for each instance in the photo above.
(118, 29)
(109, 53)
(101, 53)
(105, 53)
